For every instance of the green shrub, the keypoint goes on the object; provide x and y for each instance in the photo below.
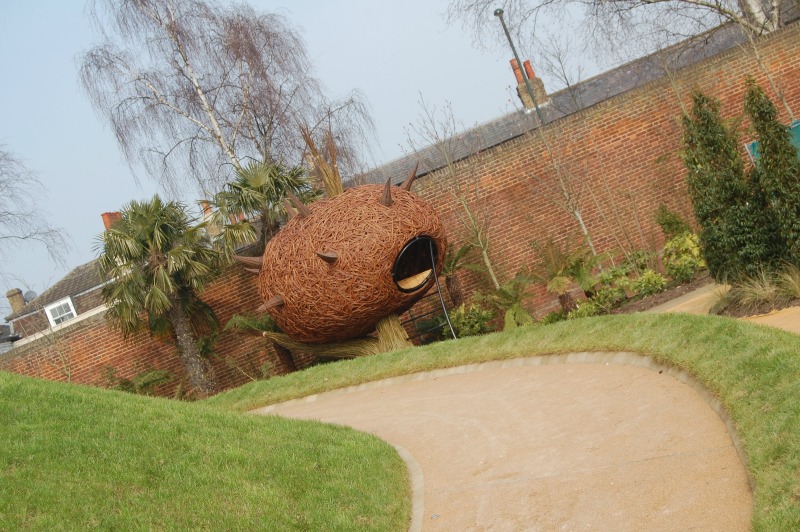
(143, 383)
(615, 275)
(608, 297)
(585, 309)
(517, 316)
(749, 220)
(507, 300)
(639, 260)
(671, 223)
(470, 321)
(553, 317)
(430, 330)
(649, 283)
(682, 258)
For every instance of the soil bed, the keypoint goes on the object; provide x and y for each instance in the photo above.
(734, 310)
(673, 291)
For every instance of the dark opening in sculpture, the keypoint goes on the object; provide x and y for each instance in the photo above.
(413, 269)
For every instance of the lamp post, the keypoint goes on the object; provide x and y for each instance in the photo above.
(499, 14)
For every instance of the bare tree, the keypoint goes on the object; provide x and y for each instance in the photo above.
(612, 22)
(21, 223)
(192, 89)
(438, 131)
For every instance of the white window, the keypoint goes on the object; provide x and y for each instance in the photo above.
(60, 311)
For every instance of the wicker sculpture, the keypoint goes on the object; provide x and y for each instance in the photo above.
(341, 265)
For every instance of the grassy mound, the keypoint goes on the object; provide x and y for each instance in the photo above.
(754, 370)
(74, 457)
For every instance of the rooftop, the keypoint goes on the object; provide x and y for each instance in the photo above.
(562, 103)
(79, 280)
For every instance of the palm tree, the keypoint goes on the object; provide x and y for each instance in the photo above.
(159, 263)
(558, 266)
(454, 260)
(257, 194)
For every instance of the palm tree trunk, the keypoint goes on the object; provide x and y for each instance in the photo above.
(193, 363)
(567, 302)
(454, 289)
(285, 357)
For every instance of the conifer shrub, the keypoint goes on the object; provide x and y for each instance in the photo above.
(745, 217)
(777, 171)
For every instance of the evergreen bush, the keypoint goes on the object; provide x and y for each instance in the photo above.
(745, 218)
(715, 182)
(777, 170)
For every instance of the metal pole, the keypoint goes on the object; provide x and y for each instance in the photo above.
(499, 14)
(439, 289)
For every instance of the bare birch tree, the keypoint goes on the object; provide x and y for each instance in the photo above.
(191, 89)
(22, 224)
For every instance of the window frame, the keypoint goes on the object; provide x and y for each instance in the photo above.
(49, 308)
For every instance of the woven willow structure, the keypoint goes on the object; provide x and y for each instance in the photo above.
(326, 277)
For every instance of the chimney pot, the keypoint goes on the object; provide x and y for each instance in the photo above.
(536, 85)
(529, 69)
(110, 217)
(16, 299)
(517, 71)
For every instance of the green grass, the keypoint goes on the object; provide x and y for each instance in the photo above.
(754, 370)
(74, 457)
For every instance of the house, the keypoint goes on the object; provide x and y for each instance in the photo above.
(75, 297)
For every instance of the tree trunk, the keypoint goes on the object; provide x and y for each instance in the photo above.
(489, 267)
(285, 357)
(567, 302)
(454, 289)
(194, 364)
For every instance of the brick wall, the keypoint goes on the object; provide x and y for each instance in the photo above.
(623, 156)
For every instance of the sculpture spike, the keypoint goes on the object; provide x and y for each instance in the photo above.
(329, 257)
(410, 179)
(250, 261)
(274, 301)
(386, 198)
(290, 212)
(302, 209)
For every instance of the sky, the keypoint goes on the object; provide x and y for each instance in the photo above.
(394, 53)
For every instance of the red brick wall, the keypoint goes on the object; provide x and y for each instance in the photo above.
(83, 352)
(625, 154)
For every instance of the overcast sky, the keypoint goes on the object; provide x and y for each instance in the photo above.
(392, 52)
